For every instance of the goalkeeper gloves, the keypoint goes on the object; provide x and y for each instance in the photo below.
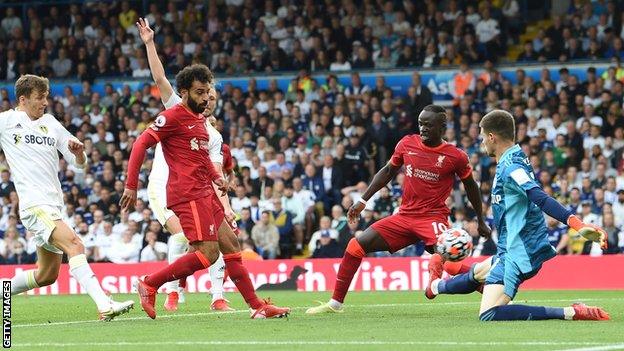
(589, 231)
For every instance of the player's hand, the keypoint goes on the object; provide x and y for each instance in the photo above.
(484, 229)
(128, 199)
(232, 184)
(596, 234)
(75, 147)
(354, 212)
(589, 231)
(230, 216)
(222, 185)
(146, 33)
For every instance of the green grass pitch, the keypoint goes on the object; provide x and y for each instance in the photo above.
(372, 321)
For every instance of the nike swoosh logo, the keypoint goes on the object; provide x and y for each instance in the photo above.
(191, 127)
(412, 153)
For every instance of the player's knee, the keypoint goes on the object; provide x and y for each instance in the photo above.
(480, 272)
(488, 315)
(355, 249)
(46, 277)
(73, 246)
(209, 252)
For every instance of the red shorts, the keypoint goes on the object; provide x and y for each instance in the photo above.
(219, 215)
(402, 230)
(197, 218)
(217, 211)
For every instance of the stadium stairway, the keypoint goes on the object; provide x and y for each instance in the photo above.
(530, 33)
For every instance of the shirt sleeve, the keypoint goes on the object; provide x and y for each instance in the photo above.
(397, 156)
(214, 145)
(62, 144)
(163, 127)
(462, 165)
(174, 99)
(521, 177)
(4, 116)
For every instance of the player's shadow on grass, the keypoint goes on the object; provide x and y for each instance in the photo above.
(288, 284)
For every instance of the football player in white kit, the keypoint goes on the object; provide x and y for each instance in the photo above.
(156, 187)
(31, 139)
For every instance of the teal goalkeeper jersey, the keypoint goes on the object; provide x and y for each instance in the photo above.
(522, 231)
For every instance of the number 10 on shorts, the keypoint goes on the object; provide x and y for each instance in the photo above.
(438, 228)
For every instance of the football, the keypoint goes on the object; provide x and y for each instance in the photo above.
(454, 244)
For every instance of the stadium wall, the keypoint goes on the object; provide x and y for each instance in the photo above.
(438, 81)
(375, 274)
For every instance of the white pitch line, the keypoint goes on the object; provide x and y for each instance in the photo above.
(323, 343)
(599, 348)
(199, 314)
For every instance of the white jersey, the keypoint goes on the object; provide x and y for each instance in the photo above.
(160, 170)
(31, 148)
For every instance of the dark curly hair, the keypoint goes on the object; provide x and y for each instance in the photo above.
(198, 72)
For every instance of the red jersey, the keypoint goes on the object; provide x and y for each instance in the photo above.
(429, 174)
(184, 141)
(228, 164)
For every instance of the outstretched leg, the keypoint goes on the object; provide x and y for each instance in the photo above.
(357, 248)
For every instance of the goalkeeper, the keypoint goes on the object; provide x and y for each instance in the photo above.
(523, 245)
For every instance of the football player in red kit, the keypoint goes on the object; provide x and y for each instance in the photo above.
(431, 166)
(190, 195)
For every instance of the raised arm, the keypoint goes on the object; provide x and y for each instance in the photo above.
(156, 67)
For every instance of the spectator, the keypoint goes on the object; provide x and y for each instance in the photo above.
(325, 229)
(154, 250)
(266, 237)
(123, 249)
(327, 247)
(6, 185)
(283, 221)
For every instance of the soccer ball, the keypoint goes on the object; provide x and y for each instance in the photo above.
(454, 244)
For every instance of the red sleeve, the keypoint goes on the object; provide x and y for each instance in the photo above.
(462, 165)
(163, 127)
(146, 140)
(397, 156)
(227, 158)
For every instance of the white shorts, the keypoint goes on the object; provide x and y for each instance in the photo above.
(39, 220)
(157, 194)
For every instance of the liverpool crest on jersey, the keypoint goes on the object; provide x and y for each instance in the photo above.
(440, 161)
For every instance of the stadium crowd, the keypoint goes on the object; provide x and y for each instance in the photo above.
(303, 155)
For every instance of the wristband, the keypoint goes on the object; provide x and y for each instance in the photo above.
(575, 223)
(362, 201)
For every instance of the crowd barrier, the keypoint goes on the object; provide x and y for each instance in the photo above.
(439, 81)
(375, 274)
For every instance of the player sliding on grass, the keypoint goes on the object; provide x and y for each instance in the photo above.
(157, 186)
(523, 244)
(182, 133)
(431, 166)
(31, 139)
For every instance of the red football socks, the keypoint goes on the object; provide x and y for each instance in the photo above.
(455, 268)
(181, 268)
(348, 266)
(240, 276)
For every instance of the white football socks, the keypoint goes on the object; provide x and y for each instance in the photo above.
(176, 248)
(335, 304)
(568, 313)
(217, 272)
(434, 286)
(81, 271)
(23, 281)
